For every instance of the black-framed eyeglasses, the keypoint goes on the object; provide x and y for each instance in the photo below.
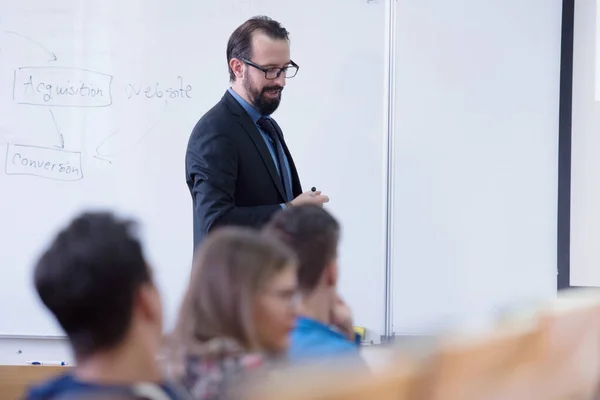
(289, 71)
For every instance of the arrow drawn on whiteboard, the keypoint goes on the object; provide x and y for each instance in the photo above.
(50, 54)
(60, 135)
(106, 155)
(118, 141)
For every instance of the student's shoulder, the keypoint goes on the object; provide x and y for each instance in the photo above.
(212, 376)
(315, 332)
(49, 388)
(65, 387)
(319, 342)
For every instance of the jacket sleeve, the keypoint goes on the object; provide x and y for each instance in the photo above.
(212, 165)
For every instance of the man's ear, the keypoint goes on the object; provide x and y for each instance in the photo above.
(148, 303)
(331, 272)
(237, 66)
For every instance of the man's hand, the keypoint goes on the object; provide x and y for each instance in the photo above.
(341, 317)
(310, 197)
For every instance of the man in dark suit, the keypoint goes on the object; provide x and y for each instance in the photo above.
(239, 169)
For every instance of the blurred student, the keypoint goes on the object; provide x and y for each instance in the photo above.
(237, 314)
(95, 280)
(324, 327)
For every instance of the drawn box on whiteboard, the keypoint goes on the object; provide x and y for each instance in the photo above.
(61, 87)
(56, 164)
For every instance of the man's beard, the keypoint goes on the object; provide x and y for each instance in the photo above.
(264, 105)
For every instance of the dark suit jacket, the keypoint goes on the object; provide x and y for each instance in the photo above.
(230, 173)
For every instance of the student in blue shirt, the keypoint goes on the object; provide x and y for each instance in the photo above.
(324, 327)
(95, 281)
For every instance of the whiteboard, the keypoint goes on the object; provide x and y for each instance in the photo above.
(475, 160)
(97, 101)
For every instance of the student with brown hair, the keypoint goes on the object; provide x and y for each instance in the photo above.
(237, 314)
(324, 327)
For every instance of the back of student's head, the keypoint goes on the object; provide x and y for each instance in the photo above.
(313, 233)
(92, 277)
(242, 288)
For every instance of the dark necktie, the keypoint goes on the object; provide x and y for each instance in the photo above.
(269, 128)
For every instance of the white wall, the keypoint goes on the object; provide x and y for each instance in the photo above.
(475, 164)
(585, 147)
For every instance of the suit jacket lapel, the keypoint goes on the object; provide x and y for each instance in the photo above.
(251, 129)
(296, 186)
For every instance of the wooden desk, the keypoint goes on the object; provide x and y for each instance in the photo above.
(14, 380)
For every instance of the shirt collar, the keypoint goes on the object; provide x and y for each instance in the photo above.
(252, 112)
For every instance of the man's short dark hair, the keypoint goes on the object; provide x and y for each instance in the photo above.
(313, 234)
(240, 42)
(88, 278)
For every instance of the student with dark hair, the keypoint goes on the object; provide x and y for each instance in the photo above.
(95, 281)
(239, 170)
(237, 314)
(324, 327)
